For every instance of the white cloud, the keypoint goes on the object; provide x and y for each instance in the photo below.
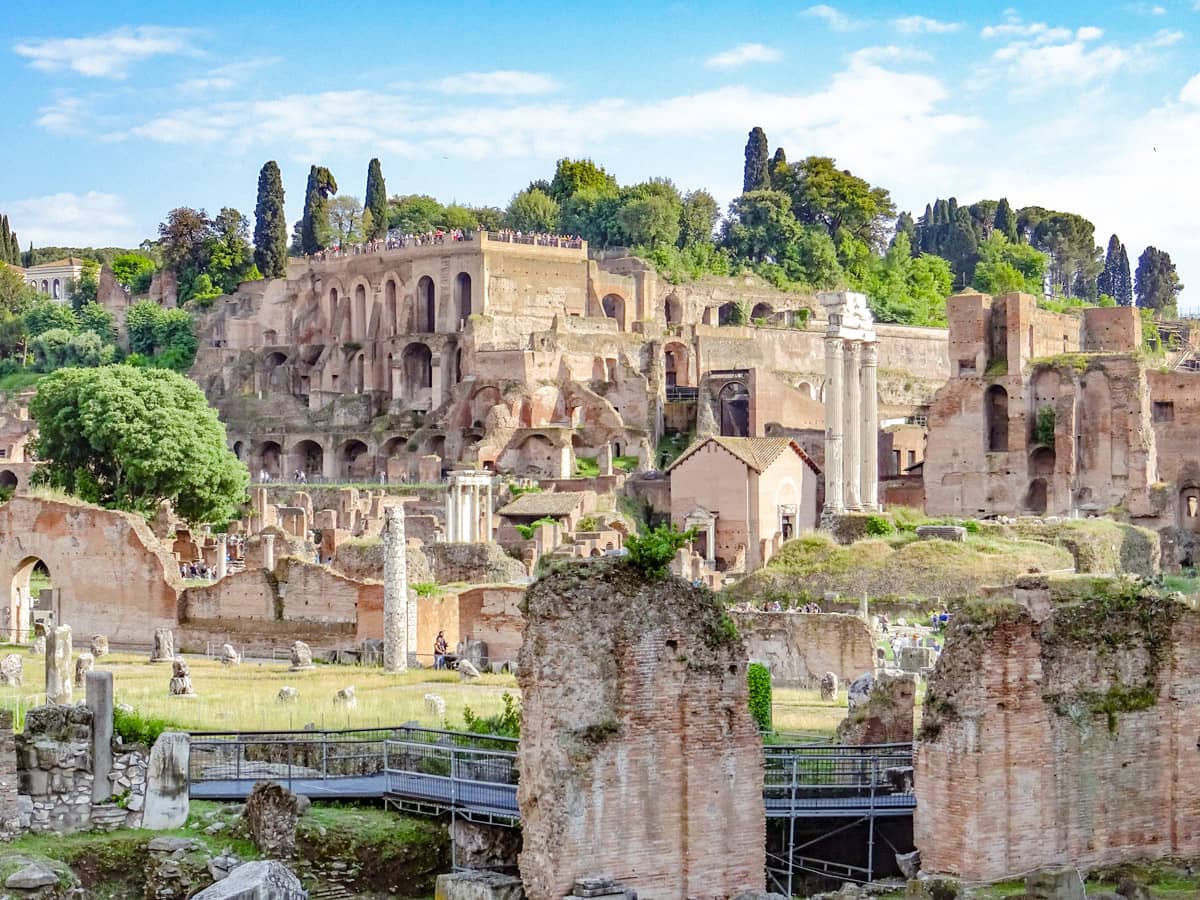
(498, 83)
(743, 54)
(834, 18)
(1191, 91)
(94, 219)
(925, 25)
(1164, 38)
(888, 54)
(227, 77)
(1036, 32)
(66, 115)
(1147, 9)
(108, 55)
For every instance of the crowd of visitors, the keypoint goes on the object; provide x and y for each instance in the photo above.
(397, 241)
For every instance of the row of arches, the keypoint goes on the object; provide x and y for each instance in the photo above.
(347, 316)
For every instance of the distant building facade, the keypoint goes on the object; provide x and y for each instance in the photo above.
(55, 279)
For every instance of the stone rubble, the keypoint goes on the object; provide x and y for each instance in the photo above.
(287, 695)
(181, 679)
(301, 657)
(164, 646)
(12, 670)
(99, 645)
(271, 814)
(345, 698)
(84, 663)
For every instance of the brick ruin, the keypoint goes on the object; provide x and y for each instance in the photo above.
(1060, 727)
(799, 648)
(638, 756)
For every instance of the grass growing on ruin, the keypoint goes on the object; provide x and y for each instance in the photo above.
(244, 697)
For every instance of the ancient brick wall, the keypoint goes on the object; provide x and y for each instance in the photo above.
(638, 756)
(799, 648)
(493, 615)
(1069, 740)
(472, 563)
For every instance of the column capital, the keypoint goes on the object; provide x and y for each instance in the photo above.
(853, 348)
(870, 353)
(834, 346)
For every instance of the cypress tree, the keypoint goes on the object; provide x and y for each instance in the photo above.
(376, 201)
(14, 253)
(1006, 220)
(755, 176)
(1109, 280)
(28, 260)
(270, 225)
(779, 166)
(1125, 297)
(315, 231)
(5, 241)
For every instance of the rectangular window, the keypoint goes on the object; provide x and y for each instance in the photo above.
(1163, 411)
(895, 462)
(912, 458)
(966, 367)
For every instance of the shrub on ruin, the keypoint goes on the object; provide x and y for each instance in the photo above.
(877, 526)
(651, 552)
(134, 728)
(503, 724)
(1043, 431)
(758, 679)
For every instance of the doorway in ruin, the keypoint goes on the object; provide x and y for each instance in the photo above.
(8, 484)
(1037, 499)
(734, 410)
(1189, 508)
(462, 298)
(675, 365)
(268, 457)
(426, 310)
(308, 458)
(996, 408)
(32, 585)
(614, 308)
(417, 364)
(356, 462)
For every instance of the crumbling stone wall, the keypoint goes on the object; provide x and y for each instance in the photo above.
(492, 614)
(799, 648)
(1061, 729)
(472, 564)
(638, 756)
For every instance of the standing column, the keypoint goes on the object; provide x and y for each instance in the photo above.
(852, 428)
(449, 531)
(487, 514)
(474, 537)
(869, 481)
(395, 592)
(710, 548)
(833, 425)
(268, 552)
(222, 550)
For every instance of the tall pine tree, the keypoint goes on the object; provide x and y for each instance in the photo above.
(1109, 280)
(270, 224)
(1006, 220)
(1125, 297)
(315, 231)
(756, 176)
(376, 201)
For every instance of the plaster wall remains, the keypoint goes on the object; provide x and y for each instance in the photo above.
(492, 614)
(638, 757)
(109, 572)
(1061, 730)
(800, 648)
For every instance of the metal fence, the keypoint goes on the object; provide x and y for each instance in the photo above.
(470, 774)
(235, 758)
(829, 780)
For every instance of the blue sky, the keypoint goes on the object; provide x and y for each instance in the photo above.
(118, 112)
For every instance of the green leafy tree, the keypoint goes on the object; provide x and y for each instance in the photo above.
(230, 258)
(133, 272)
(45, 314)
(165, 337)
(5, 240)
(906, 226)
(1114, 280)
(99, 321)
(574, 175)
(697, 218)
(758, 681)
(1157, 284)
(650, 222)
(778, 169)
(962, 250)
(488, 218)
(1125, 298)
(592, 214)
(908, 290)
(15, 295)
(270, 223)
(184, 238)
(414, 213)
(1004, 266)
(315, 231)
(839, 201)
(376, 201)
(532, 211)
(651, 553)
(58, 348)
(86, 288)
(455, 215)
(129, 438)
(1005, 221)
(761, 226)
(345, 219)
(756, 174)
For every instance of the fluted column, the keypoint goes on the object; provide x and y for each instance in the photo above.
(852, 415)
(487, 515)
(834, 376)
(869, 480)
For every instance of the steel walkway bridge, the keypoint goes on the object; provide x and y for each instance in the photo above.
(432, 772)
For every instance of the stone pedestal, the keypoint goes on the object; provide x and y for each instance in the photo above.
(167, 782)
(99, 688)
(59, 676)
(269, 552)
(164, 646)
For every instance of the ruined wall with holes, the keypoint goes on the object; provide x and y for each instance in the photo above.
(799, 648)
(638, 756)
(1060, 728)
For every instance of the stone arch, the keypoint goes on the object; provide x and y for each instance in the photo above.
(537, 454)
(614, 308)
(426, 310)
(675, 364)
(733, 402)
(45, 286)
(358, 373)
(56, 289)
(1037, 498)
(238, 448)
(1095, 425)
(673, 310)
(417, 370)
(390, 448)
(358, 316)
(308, 457)
(8, 480)
(355, 463)
(1041, 462)
(331, 310)
(806, 390)
(267, 456)
(482, 402)
(727, 313)
(462, 296)
(762, 311)
(391, 312)
(995, 406)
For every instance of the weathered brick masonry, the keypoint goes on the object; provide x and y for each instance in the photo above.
(638, 757)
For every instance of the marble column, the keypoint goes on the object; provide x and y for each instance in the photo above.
(395, 592)
(869, 480)
(834, 376)
(852, 458)
(449, 529)
(710, 543)
(487, 515)
(268, 552)
(222, 550)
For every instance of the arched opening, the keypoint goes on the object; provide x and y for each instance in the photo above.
(267, 459)
(8, 484)
(331, 313)
(30, 581)
(358, 321)
(308, 459)
(390, 448)
(675, 365)
(356, 462)
(359, 373)
(537, 456)
(1041, 462)
(805, 390)
(462, 297)
(271, 367)
(45, 286)
(238, 447)
(270, 336)
(426, 311)
(1036, 500)
(761, 312)
(734, 404)
(1189, 508)
(995, 404)
(417, 364)
(458, 355)
(727, 314)
(56, 290)
(389, 306)
(673, 310)
(614, 308)
(481, 404)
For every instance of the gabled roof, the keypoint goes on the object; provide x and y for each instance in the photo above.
(57, 264)
(555, 504)
(758, 453)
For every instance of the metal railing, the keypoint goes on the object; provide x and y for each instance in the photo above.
(467, 773)
(805, 780)
(286, 756)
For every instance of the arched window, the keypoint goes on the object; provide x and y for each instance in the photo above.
(995, 402)
(389, 306)
(462, 296)
(614, 308)
(57, 290)
(426, 315)
(734, 402)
